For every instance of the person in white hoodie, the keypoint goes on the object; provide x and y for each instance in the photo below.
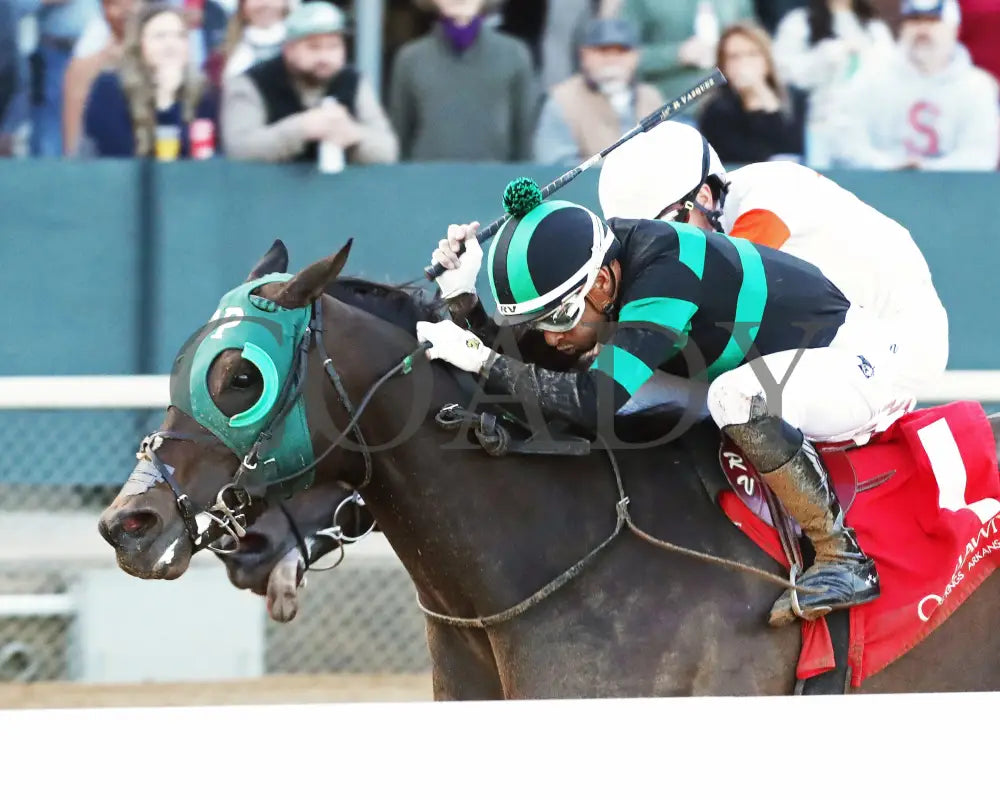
(817, 49)
(929, 108)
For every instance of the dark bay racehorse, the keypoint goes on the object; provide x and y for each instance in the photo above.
(479, 534)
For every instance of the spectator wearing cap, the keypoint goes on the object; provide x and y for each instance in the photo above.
(464, 91)
(754, 117)
(590, 110)
(678, 38)
(929, 108)
(282, 108)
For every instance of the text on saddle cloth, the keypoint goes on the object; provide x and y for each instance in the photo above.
(923, 524)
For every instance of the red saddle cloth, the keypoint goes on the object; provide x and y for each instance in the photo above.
(933, 528)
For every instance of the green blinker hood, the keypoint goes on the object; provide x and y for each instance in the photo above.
(268, 336)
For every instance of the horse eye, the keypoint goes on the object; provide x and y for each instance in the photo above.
(241, 381)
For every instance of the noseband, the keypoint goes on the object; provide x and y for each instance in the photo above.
(231, 502)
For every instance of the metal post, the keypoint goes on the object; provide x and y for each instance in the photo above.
(145, 321)
(369, 16)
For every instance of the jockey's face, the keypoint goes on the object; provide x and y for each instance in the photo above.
(579, 339)
(584, 336)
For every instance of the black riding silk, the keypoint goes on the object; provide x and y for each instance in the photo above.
(711, 309)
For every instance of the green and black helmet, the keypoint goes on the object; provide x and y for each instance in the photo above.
(542, 264)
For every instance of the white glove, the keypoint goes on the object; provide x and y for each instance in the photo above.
(454, 344)
(460, 272)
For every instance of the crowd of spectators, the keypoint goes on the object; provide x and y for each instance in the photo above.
(882, 84)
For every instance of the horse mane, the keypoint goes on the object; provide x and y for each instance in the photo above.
(402, 305)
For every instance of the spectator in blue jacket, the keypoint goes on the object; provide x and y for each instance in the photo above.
(60, 23)
(150, 104)
(9, 77)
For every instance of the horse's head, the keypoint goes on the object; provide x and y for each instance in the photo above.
(288, 538)
(237, 424)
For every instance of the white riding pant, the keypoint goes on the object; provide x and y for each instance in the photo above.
(858, 385)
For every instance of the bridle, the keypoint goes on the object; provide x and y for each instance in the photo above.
(335, 533)
(234, 499)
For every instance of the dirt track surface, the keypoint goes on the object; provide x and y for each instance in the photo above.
(269, 690)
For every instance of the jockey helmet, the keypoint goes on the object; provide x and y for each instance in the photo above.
(542, 265)
(660, 168)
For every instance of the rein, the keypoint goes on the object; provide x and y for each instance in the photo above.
(623, 519)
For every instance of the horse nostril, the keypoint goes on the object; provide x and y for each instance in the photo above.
(137, 522)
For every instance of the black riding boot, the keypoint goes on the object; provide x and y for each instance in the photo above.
(841, 572)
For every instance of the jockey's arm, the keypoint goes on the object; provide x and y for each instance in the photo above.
(652, 327)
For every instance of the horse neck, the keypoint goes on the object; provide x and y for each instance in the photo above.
(362, 349)
(451, 514)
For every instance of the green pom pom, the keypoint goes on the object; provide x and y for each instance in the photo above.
(520, 196)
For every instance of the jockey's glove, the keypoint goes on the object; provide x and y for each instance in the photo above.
(462, 279)
(455, 345)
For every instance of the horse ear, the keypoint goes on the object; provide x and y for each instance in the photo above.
(309, 284)
(274, 260)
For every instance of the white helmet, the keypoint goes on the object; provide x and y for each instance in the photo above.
(656, 169)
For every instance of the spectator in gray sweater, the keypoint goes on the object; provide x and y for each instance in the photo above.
(464, 92)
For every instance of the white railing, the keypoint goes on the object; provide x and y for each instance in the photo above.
(54, 392)
(914, 746)
(71, 535)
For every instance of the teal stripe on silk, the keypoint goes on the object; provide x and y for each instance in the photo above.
(522, 286)
(668, 312)
(693, 244)
(750, 305)
(628, 371)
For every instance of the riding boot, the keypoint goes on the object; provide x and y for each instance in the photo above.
(841, 573)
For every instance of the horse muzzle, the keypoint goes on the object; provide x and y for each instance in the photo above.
(146, 546)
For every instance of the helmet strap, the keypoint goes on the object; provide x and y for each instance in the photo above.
(601, 301)
(713, 217)
(690, 202)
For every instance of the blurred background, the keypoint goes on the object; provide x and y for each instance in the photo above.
(153, 151)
